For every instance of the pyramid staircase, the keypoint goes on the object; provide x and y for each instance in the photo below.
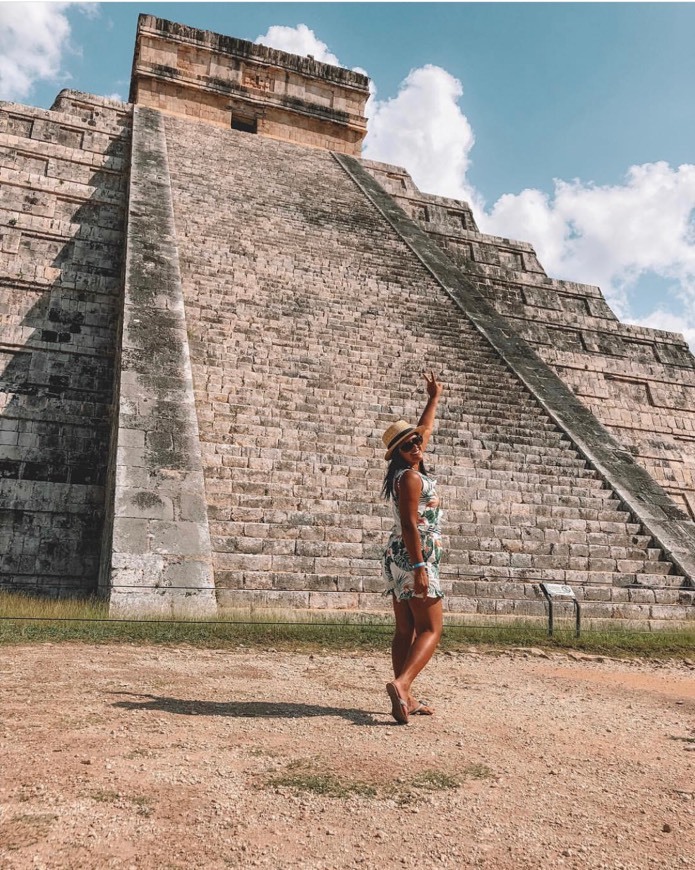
(309, 320)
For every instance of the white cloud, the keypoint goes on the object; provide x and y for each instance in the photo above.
(610, 235)
(33, 40)
(424, 129)
(299, 40)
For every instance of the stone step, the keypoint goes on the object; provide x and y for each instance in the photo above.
(57, 126)
(581, 478)
(59, 228)
(514, 589)
(575, 577)
(87, 411)
(471, 374)
(14, 146)
(49, 585)
(369, 467)
(531, 560)
(506, 417)
(487, 483)
(263, 538)
(279, 485)
(227, 495)
(531, 464)
(511, 547)
(507, 460)
(27, 191)
(256, 522)
(348, 559)
(479, 437)
(635, 588)
(339, 487)
(521, 492)
(630, 614)
(260, 455)
(597, 544)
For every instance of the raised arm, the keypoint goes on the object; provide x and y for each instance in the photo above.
(434, 391)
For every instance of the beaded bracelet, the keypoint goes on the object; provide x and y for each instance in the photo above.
(420, 565)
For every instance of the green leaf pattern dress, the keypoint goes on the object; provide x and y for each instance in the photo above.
(397, 569)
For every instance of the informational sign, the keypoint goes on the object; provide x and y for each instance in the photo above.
(559, 590)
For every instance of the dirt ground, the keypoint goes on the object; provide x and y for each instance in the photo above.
(151, 757)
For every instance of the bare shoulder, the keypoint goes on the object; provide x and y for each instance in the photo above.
(410, 482)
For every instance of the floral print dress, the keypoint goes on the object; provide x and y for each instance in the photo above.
(397, 569)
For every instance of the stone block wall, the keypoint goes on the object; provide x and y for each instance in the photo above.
(224, 81)
(640, 383)
(63, 180)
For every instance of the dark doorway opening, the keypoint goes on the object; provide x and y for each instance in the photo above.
(246, 125)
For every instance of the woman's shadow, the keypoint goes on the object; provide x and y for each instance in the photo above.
(245, 709)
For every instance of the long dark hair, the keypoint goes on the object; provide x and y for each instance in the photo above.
(395, 465)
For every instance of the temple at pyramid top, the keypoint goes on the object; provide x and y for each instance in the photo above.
(205, 76)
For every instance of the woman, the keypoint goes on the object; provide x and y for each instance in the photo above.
(411, 560)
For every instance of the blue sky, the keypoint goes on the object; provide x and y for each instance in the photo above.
(570, 125)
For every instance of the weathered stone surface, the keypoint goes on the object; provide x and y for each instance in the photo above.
(309, 321)
(229, 82)
(62, 206)
(635, 488)
(157, 474)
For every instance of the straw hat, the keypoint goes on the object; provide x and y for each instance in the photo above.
(397, 433)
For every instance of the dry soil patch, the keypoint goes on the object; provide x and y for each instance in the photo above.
(150, 757)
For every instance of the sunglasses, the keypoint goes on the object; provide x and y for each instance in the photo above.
(409, 446)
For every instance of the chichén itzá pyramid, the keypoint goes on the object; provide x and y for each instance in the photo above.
(211, 310)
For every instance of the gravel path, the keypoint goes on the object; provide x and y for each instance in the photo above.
(151, 757)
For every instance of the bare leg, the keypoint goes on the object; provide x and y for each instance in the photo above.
(403, 636)
(427, 618)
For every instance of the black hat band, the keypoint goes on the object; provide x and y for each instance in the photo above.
(400, 435)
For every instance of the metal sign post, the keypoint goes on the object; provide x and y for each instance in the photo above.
(561, 592)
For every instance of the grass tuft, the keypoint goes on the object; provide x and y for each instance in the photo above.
(301, 775)
(105, 796)
(323, 784)
(478, 771)
(434, 780)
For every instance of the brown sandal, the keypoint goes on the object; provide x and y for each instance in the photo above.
(423, 709)
(399, 707)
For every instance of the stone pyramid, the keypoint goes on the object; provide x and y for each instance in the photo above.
(211, 310)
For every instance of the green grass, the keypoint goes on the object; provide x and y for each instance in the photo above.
(323, 784)
(301, 776)
(434, 780)
(27, 619)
